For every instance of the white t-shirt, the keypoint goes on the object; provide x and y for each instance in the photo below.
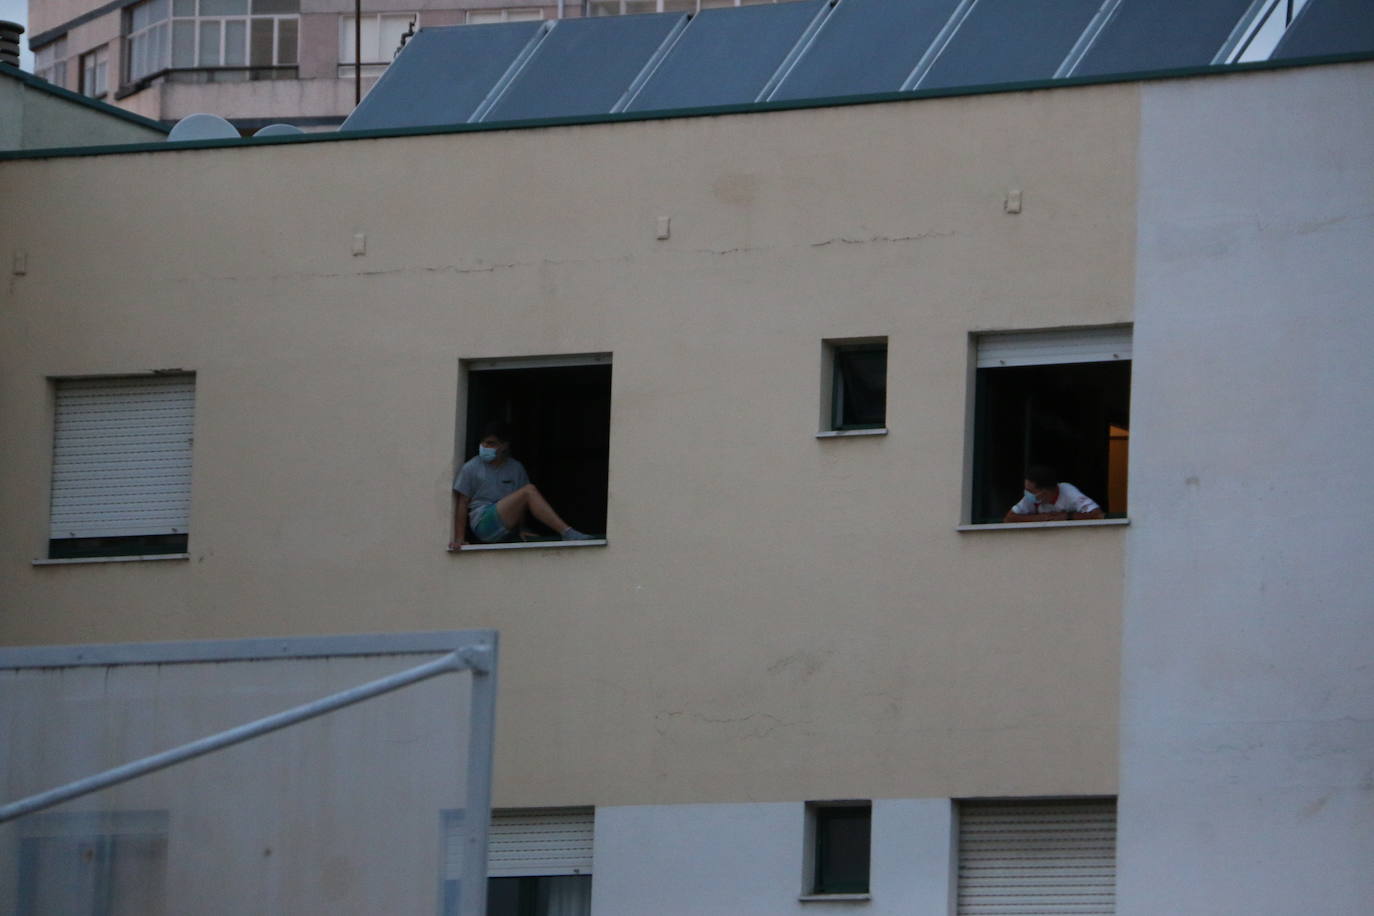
(1071, 499)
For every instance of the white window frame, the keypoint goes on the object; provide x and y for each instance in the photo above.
(383, 59)
(94, 68)
(630, 7)
(509, 14)
(50, 62)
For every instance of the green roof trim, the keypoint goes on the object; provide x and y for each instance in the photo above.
(42, 85)
(622, 117)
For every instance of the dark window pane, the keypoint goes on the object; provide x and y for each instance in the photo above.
(261, 50)
(842, 847)
(860, 387)
(286, 41)
(277, 6)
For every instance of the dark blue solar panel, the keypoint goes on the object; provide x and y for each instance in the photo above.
(1329, 27)
(866, 46)
(584, 66)
(726, 56)
(442, 76)
(1008, 41)
(1162, 35)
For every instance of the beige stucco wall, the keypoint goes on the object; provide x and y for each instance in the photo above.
(776, 616)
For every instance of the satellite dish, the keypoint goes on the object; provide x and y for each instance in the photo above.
(279, 130)
(203, 127)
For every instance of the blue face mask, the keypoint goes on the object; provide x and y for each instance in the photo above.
(486, 453)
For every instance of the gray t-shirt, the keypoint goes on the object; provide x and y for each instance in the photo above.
(485, 484)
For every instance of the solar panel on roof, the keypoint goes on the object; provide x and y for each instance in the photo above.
(1329, 27)
(1007, 41)
(442, 76)
(584, 66)
(1161, 35)
(726, 56)
(866, 46)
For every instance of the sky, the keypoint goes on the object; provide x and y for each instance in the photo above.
(18, 11)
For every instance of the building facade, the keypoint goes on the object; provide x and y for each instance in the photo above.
(806, 667)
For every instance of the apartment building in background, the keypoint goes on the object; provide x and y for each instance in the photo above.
(258, 62)
(787, 361)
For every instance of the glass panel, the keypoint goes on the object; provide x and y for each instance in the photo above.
(842, 850)
(605, 7)
(860, 387)
(160, 51)
(157, 10)
(261, 51)
(371, 40)
(392, 28)
(138, 18)
(1003, 41)
(223, 7)
(185, 8)
(286, 41)
(183, 44)
(209, 44)
(1142, 36)
(236, 43)
(276, 6)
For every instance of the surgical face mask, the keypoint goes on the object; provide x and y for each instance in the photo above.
(486, 453)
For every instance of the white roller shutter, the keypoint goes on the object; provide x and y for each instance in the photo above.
(1041, 348)
(1037, 858)
(540, 842)
(122, 456)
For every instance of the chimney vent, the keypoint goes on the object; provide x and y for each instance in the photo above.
(9, 42)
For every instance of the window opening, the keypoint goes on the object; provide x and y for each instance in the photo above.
(858, 384)
(50, 62)
(1060, 399)
(840, 851)
(559, 413)
(381, 37)
(121, 474)
(539, 862)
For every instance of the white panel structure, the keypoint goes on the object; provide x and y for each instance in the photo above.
(548, 842)
(1027, 858)
(122, 456)
(1246, 727)
(1042, 348)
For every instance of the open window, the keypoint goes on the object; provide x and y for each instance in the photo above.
(559, 408)
(121, 471)
(1059, 398)
(854, 386)
(838, 844)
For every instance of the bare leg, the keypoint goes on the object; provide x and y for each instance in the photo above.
(512, 509)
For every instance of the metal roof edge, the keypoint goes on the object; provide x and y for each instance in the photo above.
(707, 111)
(42, 85)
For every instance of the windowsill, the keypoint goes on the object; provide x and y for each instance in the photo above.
(847, 433)
(72, 561)
(835, 898)
(531, 545)
(1020, 526)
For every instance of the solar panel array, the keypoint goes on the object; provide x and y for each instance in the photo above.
(814, 49)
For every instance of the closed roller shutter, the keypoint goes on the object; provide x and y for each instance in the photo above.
(1037, 858)
(122, 456)
(540, 842)
(1044, 348)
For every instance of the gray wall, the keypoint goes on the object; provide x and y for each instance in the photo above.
(1248, 682)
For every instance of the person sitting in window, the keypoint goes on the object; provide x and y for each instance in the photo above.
(493, 494)
(1049, 499)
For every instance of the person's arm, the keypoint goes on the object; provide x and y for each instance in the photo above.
(1014, 516)
(460, 521)
(1094, 512)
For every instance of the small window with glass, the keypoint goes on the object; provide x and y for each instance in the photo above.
(854, 389)
(838, 848)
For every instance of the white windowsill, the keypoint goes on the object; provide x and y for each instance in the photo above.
(835, 898)
(1018, 526)
(531, 545)
(847, 433)
(134, 559)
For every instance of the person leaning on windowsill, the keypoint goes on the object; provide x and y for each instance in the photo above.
(1049, 499)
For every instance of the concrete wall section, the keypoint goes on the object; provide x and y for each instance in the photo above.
(31, 118)
(1248, 707)
(711, 860)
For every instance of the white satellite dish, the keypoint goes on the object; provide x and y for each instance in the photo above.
(203, 127)
(279, 130)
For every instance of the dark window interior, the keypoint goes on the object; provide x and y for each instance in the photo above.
(1074, 417)
(860, 392)
(145, 545)
(842, 845)
(562, 432)
(553, 895)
